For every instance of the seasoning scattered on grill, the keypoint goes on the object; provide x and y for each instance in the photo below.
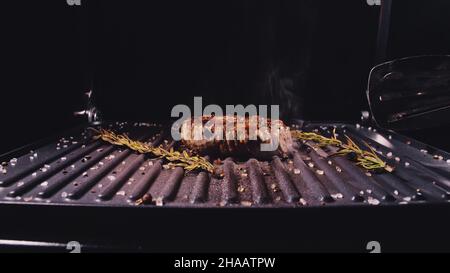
(274, 187)
(373, 201)
(121, 193)
(13, 162)
(111, 177)
(264, 184)
(246, 203)
(337, 196)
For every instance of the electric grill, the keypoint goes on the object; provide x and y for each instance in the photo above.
(54, 189)
(108, 198)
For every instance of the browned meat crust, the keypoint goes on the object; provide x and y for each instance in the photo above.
(244, 142)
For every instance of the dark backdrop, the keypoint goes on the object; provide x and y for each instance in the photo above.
(143, 57)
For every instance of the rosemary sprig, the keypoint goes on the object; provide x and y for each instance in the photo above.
(368, 160)
(319, 139)
(177, 159)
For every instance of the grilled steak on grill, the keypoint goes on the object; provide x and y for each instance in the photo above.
(234, 142)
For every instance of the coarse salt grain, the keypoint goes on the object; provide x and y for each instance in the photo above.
(111, 177)
(337, 196)
(373, 201)
(160, 202)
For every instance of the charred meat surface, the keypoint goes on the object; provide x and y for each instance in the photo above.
(236, 136)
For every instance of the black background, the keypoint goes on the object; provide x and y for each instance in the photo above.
(312, 57)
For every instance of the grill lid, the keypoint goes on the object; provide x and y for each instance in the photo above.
(411, 93)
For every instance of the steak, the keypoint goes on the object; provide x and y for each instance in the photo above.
(236, 136)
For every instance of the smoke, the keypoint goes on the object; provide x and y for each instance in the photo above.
(282, 91)
(286, 47)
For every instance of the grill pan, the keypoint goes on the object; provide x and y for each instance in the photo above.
(78, 170)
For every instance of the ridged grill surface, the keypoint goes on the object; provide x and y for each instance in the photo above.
(76, 170)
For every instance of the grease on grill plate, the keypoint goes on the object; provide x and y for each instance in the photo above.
(77, 170)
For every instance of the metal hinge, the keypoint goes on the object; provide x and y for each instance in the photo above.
(91, 112)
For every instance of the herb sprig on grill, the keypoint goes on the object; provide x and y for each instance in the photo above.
(176, 158)
(368, 160)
